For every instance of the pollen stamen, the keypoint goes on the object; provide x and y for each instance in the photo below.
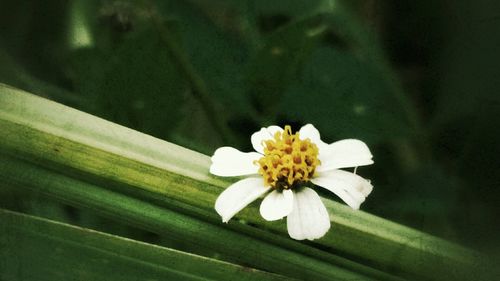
(288, 160)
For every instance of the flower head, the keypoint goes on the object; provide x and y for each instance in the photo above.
(288, 160)
(284, 167)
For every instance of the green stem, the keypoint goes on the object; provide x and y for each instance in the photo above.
(202, 234)
(118, 161)
(200, 90)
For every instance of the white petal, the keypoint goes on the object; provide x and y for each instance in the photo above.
(264, 134)
(350, 187)
(277, 205)
(310, 132)
(309, 218)
(230, 162)
(344, 154)
(238, 195)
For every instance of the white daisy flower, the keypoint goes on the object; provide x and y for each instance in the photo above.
(282, 167)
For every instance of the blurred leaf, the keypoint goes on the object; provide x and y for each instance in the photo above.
(137, 86)
(46, 250)
(278, 61)
(285, 8)
(216, 49)
(344, 98)
(34, 39)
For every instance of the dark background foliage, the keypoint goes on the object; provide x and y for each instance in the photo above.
(416, 80)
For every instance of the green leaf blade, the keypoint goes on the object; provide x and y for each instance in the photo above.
(46, 250)
(100, 164)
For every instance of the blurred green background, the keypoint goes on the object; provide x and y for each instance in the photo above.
(416, 80)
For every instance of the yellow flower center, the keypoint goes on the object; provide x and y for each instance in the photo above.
(288, 160)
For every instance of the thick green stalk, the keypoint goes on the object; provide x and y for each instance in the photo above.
(126, 161)
(200, 234)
